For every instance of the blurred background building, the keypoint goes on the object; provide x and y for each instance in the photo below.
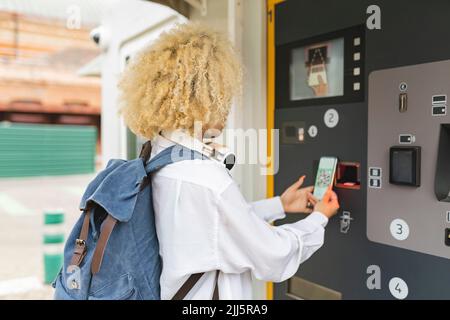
(40, 58)
(42, 83)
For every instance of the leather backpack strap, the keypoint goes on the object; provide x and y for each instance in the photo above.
(146, 151)
(216, 287)
(190, 283)
(107, 228)
(80, 244)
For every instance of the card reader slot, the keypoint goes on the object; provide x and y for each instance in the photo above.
(348, 175)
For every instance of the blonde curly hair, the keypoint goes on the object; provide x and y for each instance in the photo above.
(191, 73)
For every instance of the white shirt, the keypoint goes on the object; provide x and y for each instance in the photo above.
(204, 224)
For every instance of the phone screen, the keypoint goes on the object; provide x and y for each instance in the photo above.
(325, 176)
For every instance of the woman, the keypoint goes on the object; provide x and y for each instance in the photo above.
(189, 75)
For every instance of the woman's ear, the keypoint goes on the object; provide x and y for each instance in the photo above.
(212, 133)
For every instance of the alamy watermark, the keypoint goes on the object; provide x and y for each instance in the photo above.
(233, 146)
(373, 21)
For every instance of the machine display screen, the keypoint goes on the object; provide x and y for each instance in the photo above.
(317, 70)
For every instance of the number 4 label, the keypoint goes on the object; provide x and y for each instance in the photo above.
(398, 288)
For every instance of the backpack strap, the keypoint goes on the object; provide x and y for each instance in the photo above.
(190, 283)
(216, 287)
(107, 228)
(146, 151)
(80, 244)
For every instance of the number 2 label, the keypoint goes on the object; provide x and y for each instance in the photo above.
(331, 118)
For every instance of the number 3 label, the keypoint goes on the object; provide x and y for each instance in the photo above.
(399, 229)
(331, 118)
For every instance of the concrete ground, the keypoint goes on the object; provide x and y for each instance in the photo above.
(22, 203)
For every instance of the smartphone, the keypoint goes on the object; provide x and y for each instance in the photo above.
(325, 176)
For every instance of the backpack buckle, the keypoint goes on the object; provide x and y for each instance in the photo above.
(79, 252)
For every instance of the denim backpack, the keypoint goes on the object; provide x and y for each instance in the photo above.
(113, 252)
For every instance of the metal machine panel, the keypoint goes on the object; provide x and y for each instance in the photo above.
(401, 215)
(360, 259)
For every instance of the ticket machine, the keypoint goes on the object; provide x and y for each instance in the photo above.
(369, 85)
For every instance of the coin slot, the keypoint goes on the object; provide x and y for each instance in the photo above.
(403, 102)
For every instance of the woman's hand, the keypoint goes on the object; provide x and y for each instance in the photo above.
(329, 204)
(295, 199)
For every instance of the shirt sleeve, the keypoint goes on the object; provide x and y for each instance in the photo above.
(269, 209)
(272, 253)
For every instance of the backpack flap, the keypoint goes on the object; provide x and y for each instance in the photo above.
(116, 188)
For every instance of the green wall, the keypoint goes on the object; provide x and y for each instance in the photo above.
(41, 150)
